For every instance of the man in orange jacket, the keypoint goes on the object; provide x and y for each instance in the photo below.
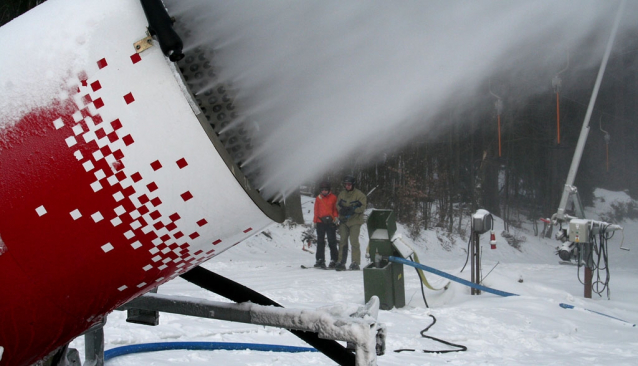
(325, 220)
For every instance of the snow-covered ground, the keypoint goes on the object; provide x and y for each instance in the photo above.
(530, 329)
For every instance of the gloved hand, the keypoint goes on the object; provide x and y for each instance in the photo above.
(346, 211)
(336, 221)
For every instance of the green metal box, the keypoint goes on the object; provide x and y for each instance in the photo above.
(386, 283)
(381, 220)
(384, 279)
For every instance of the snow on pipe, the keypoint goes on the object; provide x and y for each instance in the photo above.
(451, 277)
(355, 325)
(200, 346)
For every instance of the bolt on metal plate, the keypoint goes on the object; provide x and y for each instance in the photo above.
(143, 44)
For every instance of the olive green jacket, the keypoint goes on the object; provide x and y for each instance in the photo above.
(356, 199)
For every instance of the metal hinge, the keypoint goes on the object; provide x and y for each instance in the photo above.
(144, 43)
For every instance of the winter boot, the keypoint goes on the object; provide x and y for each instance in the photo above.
(332, 265)
(354, 267)
(320, 264)
(340, 267)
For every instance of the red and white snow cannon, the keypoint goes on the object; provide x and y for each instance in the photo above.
(113, 180)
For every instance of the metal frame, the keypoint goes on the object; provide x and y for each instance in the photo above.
(360, 330)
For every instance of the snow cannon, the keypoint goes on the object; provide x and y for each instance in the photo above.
(482, 221)
(115, 175)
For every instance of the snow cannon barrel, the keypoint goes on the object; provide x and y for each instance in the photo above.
(114, 178)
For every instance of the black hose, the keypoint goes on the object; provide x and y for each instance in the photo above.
(468, 252)
(599, 247)
(239, 293)
(421, 282)
(461, 348)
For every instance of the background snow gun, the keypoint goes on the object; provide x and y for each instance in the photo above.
(584, 239)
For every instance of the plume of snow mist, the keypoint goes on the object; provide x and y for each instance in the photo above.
(327, 81)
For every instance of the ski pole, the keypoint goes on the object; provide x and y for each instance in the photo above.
(567, 306)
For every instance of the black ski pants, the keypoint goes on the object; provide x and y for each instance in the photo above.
(324, 230)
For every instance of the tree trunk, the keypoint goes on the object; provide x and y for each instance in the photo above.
(293, 207)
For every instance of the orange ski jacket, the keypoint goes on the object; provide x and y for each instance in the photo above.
(325, 206)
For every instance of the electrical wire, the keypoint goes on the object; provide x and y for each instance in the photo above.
(599, 248)
(467, 258)
(603, 253)
(421, 282)
(461, 348)
(488, 273)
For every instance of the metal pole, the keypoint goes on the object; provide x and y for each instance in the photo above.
(587, 257)
(588, 282)
(94, 347)
(557, 118)
(472, 277)
(476, 263)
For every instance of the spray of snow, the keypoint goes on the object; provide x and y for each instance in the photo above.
(334, 83)
(330, 83)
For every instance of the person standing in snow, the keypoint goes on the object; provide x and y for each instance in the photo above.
(325, 221)
(351, 204)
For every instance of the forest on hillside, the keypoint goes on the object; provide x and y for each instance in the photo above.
(438, 180)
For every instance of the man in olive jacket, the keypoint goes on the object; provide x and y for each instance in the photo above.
(351, 204)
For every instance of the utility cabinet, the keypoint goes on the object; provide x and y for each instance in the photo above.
(579, 230)
(383, 278)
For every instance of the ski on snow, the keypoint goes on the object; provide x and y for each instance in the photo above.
(313, 267)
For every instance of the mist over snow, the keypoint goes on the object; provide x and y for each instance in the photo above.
(333, 82)
(530, 329)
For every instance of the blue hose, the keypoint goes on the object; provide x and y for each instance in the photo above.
(200, 346)
(483, 288)
(449, 276)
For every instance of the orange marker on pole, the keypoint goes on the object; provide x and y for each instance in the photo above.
(557, 118)
(499, 135)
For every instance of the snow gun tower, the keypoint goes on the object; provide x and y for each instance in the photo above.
(116, 178)
(482, 222)
(585, 238)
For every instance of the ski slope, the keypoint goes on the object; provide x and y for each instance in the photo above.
(530, 329)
